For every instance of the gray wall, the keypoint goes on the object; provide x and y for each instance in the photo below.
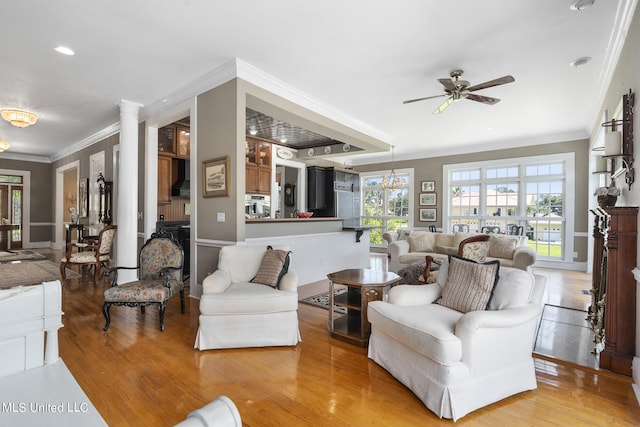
(430, 169)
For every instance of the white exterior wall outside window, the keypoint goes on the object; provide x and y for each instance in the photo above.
(385, 210)
(534, 192)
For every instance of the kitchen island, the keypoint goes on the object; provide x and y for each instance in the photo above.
(319, 245)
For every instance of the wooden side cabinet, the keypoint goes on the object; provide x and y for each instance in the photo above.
(617, 227)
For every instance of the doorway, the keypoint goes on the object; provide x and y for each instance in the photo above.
(11, 196)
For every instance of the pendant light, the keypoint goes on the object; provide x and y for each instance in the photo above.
(393, 182)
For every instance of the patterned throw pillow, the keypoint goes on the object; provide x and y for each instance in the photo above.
(476, 251)
(275, 264)
(469, 284)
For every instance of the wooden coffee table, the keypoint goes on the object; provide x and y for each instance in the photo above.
(363, 285)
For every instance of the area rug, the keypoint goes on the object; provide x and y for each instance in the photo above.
(21, 255)
(322, 300)
(31, 273)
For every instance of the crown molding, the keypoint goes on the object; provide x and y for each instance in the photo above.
(617, 38)
(90, 140)
(235, 68)
(214, 78)
(270, 83)
(26, 157)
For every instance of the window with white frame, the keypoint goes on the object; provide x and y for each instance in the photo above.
(533, 192)
(385, 209)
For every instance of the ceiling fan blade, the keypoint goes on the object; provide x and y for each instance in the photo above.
(443, 106)
(491, 83)
(483, 99)
(422, 99)
(448, 84)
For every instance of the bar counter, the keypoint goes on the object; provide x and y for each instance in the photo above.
(280, 220)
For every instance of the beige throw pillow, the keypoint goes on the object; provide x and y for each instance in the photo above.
(503, 247)
(469, 284)
(275, 264)
(443, 239)
(421, 241)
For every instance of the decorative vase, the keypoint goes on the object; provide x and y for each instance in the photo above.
(607, 200)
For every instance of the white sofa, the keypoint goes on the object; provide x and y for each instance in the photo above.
(236, 313)
(511, 251)
(36, 387)
(458, 362)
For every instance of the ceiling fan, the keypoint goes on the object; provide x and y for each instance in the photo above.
(457, 89)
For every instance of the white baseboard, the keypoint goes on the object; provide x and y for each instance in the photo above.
(37, 245)
(573, 266)
(635, 374)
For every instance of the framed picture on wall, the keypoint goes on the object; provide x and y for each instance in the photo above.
(428, 199)
(428, 214)
(83, 197)
(215, 177)
(428, 186)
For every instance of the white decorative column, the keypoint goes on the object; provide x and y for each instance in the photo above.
(127, 219)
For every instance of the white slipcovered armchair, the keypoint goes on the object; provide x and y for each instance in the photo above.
(458, 362)
(235, 312)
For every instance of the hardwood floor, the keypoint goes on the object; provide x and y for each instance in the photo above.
(136, 375)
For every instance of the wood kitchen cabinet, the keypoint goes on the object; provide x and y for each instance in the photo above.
(258, 167)
(164, 179)
(167, 141)
(183, 139)
(174, 141)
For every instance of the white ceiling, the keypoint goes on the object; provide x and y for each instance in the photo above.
(359, 57)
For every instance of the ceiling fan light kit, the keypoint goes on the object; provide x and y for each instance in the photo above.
(19, 118)
(457, 89)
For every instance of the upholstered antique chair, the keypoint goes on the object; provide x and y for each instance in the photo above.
(160, 263)
(251, 300)
(94, 253)
(463, 342)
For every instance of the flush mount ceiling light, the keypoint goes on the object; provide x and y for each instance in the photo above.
(581, 4)
(580, 62)
(64, 50)
(4, 145)
(19, 118)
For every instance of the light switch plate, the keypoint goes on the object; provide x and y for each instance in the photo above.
(221, 217)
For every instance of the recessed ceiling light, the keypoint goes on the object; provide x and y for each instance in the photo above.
(65, 50)
(580, 61)
(581, 4)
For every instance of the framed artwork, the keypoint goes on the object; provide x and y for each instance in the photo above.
(428, 199)
(428, 214)
(428, 186)
(83, 198)
(215, 177)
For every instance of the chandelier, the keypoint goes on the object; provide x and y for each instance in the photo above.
(19, 118)
(4, 145)
(393, 181)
